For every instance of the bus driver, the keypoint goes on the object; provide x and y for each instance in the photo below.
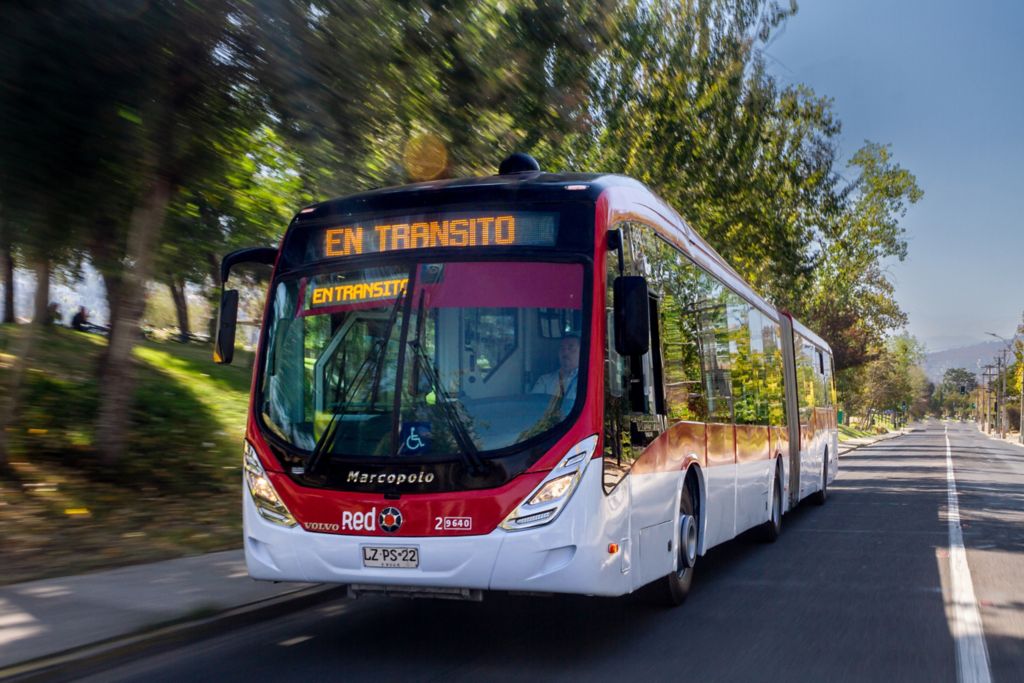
(562, 382)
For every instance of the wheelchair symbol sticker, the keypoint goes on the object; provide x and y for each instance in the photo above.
(415, 437)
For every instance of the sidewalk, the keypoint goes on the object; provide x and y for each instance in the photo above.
(1011, 437)
(43, 618)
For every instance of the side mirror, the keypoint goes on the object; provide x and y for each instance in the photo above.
(224, 344)
(632, 316)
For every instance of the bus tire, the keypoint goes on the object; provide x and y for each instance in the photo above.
(820, 496)
(671, 591)
(772, 529)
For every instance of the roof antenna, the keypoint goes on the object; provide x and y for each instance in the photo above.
(518, 162)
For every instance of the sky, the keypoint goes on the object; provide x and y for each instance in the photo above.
(943, 84)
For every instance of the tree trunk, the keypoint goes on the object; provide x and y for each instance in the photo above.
(41, 313)
(112, 283)
(118, 382)
(177, 287)
(7, 256)
(213, 294)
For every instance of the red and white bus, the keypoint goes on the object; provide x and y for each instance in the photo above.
(527, 382)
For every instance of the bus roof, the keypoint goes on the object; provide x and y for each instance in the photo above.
(538, 186)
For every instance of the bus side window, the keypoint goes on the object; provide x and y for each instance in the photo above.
(830, 379)
(634, 385)
(682, 290)
(775, 392)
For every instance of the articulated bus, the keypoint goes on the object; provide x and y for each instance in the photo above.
(531, 382)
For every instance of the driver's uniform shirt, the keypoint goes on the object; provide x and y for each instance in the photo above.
(553, 385)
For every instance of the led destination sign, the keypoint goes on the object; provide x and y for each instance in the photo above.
(357, 292)
(455, 230)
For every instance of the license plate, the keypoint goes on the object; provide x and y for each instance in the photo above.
(391, 557)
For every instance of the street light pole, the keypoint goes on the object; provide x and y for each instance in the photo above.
(1001, 417)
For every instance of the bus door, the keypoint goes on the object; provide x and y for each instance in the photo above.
(813, 410)
(789, 351)
(491, 351)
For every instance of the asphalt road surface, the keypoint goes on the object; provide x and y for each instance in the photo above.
(858, 590)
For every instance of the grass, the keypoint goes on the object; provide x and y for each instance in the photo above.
(176, 493)
(847, 433)
(882, 425)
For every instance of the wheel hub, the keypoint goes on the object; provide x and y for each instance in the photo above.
(687, 541)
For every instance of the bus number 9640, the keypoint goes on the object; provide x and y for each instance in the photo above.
(453, 523)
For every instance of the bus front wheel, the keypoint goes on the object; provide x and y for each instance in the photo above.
(672, 590)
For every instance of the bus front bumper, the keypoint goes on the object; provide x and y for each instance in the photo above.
(565, 556)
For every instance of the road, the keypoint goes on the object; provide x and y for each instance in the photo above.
(857, 590)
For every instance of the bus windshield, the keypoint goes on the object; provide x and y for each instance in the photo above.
(422, 360)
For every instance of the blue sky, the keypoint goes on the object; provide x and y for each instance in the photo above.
(943, 83)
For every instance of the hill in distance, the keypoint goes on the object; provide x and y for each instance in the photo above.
(972, 357)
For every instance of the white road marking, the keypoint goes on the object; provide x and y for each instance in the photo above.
(971, 651)
(294, 641)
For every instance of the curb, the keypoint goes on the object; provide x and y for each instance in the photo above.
(993, 437)
(883, 437)
(94, 658)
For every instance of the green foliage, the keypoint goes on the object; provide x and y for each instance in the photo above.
(955, 394)
(245, 198)
(892, 381)
(250, 109)
(852, 301)
(188, 418)
(686, 105)
(354, 83)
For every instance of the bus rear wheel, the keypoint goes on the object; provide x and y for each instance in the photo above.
(672, 590)
(772, 529)
(821, 495)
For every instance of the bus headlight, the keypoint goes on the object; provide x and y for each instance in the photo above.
(268, 503)
(547, 500)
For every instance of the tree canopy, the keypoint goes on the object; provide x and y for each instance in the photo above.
(149, 138)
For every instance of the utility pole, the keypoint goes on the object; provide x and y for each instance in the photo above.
(1003, 365)
(987, 379)
(1002, 401)
(999, 395)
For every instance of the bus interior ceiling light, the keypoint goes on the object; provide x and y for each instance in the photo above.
(264, 496)
(551, 495)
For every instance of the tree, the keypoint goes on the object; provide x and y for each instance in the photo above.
(46, 157)
(684, 103)
(954, 395)
(7, 269)
(852, 301)
(478, 78)
(244, 199)
(894, 380)
(191, 86)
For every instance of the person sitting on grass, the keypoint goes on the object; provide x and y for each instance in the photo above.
(79, 320)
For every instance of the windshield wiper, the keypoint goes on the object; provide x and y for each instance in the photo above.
(467, 448)
(376, 356)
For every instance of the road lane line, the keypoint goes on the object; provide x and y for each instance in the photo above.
(971, 651)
